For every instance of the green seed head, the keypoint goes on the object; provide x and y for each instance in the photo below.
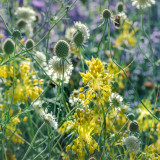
(16, 34)
(131, 116)
(133, 126)
(106, 14)
(8, 46)
(119, 7)
(78, 39)
(62, 49)
(29, 44)
(21, 24)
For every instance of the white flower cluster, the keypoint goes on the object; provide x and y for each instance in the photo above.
(40, 58)
(132, 143)
(48, 117)
(115, 99)
(55, 69)
(69, 33)
(143, 3)
(82, 28)
(74, 99)
(26, 16)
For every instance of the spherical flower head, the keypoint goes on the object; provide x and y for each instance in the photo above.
(16, 34)
(26, 13)
(21, 24)
(143, 3)
(131, 116)
(55, 69)
(29, 44)
(62, 49)
(132, 143)
(133, 126)
(79, 39)
(81, 34)
(120, 7)
(106, 14)
(8, 46)
(115, 99)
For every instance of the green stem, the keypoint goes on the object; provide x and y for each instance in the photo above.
(34, 138)
(137, 96)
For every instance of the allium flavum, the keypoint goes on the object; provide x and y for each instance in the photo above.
(96, 82)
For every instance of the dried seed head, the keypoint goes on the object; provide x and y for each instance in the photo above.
(21, 24)
(78, 39)
(16, 34)
(131, 116)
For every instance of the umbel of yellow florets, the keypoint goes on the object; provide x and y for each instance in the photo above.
(97, 82)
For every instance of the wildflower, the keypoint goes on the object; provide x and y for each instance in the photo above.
(21, 24)
(29, 44)
(126, 38)
(97, 81)
(81, 34)
(120, 7)
(69, 33)
(133, 126)
(55, 69)
(132, 143)
(48, 117)
(131, 116)
(115, 99)
(40, 58)
(62, 49)
(26, 13)
(143, 3)
(106, 14)
(16, 34)
(74, 99)
(8, 46)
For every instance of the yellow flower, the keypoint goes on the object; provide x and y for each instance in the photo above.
(96, 80)
(126, 37)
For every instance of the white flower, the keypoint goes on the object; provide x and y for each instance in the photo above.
(115, 99)
(74, 99)
(55, 69)
(48, 117)
(40, 58)
(143, 3)
(69, 33)
(26, 13)
(82, 28)
(132, 143)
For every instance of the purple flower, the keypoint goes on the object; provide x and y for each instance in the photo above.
(38, 4)
(20, 3)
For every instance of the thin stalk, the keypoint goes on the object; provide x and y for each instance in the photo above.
(34, 138)
(137, 96)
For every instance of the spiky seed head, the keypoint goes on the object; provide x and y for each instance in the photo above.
(21, 24)
(29, 44)
(78, 38)
(106, 14)
(62, 49)
(119, 7)
(8, 46)
(131, 116)
(16, 34)
(133, 126)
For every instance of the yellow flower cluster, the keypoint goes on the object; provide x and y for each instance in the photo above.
(11, 130)
(96, 82)
(86, 126)
(126, 37)
(25, 86)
